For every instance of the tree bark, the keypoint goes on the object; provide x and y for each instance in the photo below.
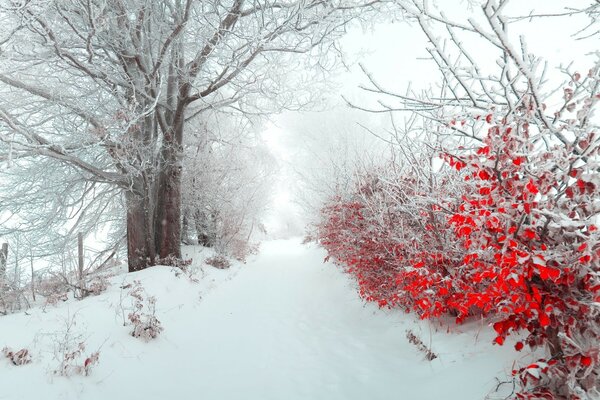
(167, 225)
(140, 238)
(3, 260)
(168, 207)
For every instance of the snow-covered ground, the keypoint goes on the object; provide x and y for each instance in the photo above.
(283, 326)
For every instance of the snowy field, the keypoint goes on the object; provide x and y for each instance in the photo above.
(283, 326)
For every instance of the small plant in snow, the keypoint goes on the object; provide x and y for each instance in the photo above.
(173, 262)
(69, 351)
(218, 262)
(422, 347)
(70, 363)
(188, 271)
(20, 357)
(145, 324)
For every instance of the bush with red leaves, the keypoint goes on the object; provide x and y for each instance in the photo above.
(517, 241)
(392, 235)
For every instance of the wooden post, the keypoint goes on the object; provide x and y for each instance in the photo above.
(32, 278)
(80, 265)
(3, 260)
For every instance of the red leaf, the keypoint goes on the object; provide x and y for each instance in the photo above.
(464, 231)
(517, 161)
(519, 346)
(499, 327)
(484, 175)
(484, 150)
(569, 192)
(532, 188)
(544, 320)
(546, 273)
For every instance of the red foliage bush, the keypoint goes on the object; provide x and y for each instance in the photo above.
(532, 252)
(518, 241)
(391, 235)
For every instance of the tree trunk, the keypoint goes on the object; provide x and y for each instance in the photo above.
(167, 225)
(80, 265)
(140, 236)
(168, 204)
(3, 260)
(168, 213)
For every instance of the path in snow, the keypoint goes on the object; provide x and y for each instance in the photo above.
(287, 326)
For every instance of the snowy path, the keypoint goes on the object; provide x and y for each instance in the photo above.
(286, 326)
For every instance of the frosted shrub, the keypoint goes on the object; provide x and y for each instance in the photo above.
(10, 299)
(69, 351)
(97, 286)
(70, 363)
(143, 316)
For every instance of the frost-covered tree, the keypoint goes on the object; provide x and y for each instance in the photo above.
(105, 90)
(226, 184)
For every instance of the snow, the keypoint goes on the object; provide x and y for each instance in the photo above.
(283, 326)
